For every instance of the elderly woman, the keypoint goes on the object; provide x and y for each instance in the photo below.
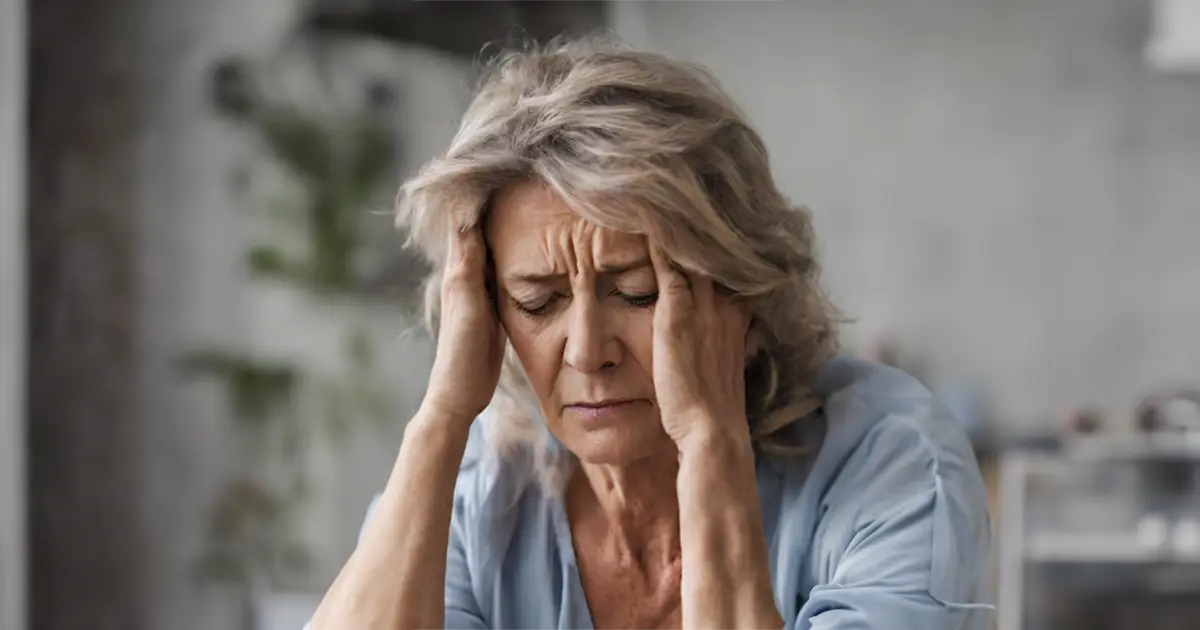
(635, 418)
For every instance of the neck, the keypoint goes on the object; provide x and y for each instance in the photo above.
(635, 503)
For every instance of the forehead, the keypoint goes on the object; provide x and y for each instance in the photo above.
(521, 209)
(529, 219)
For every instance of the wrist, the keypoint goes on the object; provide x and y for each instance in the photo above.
(707, 440)
(431, 415)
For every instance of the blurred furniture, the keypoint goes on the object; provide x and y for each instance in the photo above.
(1174, 44)
(1104, 533)
(462, 27)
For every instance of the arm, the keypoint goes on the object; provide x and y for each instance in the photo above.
(726, 579)
(699, 358)
(396, 576)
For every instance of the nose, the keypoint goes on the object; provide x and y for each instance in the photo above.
(589, 347)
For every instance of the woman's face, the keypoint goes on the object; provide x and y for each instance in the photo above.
(577, 302)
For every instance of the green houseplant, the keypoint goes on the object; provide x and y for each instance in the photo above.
(326, 169)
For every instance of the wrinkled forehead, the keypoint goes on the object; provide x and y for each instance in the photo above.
(525, 208)
(529, 221)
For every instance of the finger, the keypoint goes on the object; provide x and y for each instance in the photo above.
(452, 248)
(464, 284)
(673, 291)
(474, 252)
(468, 257)
(702, 292)
(451, 266)
(478, 257)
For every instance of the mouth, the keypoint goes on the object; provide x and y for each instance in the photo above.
(602, 408)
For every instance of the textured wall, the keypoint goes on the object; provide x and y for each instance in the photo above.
(999, 182)
(12, 314)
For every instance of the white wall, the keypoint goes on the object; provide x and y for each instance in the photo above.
(1002, 184)
(12, 315)
(190, 291)
(195, 295)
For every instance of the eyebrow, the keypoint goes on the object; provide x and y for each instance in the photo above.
(606, 269)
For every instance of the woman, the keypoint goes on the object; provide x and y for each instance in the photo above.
(669, 441)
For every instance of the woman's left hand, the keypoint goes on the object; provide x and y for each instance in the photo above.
(699, 357)
(699, 367)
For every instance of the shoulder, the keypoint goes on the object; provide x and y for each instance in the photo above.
(879, 419)
(895, 483)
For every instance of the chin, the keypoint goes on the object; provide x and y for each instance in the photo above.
(615, 443)
(621, 450)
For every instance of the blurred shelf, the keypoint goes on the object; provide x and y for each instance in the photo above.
(1103, 548)
(1158, 446)
(1149, 582)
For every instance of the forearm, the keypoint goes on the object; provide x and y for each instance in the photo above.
(726, 576)
(396, 576)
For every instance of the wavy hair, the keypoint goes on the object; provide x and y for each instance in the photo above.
(636, 142)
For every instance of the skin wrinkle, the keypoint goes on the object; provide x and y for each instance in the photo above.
(570, 246)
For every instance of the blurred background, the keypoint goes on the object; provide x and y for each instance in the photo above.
(206, 356)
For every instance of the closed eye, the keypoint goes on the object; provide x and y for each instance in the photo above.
(543, 307)
(640, 301)
(535, 308)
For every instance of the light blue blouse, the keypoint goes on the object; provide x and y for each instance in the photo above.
(885, 527)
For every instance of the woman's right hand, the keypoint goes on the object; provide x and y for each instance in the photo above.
(471, 342)
(396, 575)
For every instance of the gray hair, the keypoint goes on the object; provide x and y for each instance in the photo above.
(637, 142)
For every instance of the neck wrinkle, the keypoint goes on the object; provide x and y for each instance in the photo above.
(638, 505)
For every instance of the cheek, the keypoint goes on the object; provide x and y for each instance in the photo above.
(639, 338)
(537, 349)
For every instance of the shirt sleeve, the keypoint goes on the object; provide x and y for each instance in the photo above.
(904, 540)
(462, 609)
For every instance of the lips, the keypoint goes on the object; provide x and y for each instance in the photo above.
(607, 408)
(604, 403)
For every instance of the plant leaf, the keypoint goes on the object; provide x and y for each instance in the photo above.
(302, 144)
(372, 158)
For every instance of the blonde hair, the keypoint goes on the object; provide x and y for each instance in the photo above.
(637, 142)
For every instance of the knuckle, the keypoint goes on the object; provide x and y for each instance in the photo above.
(460, 272)
(453, 279)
